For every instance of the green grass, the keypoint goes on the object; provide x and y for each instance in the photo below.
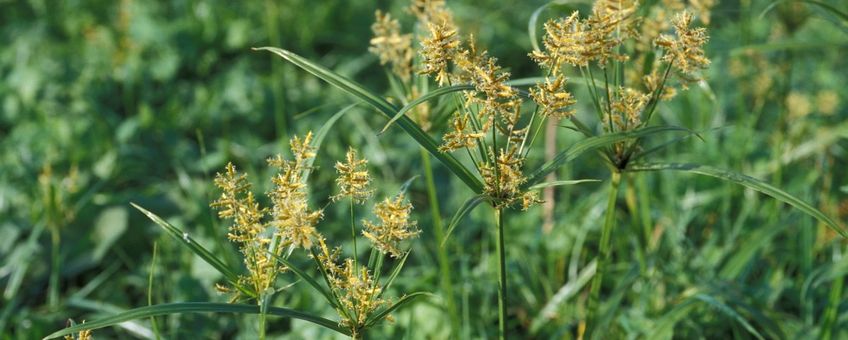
(728, 225)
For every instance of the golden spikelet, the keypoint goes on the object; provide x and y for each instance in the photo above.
(294, 222)
(685, 50)
(390, 46)
(462, 135)
(353, 180)
(553, 99)
(503, 184)
(438, 49)
(394, 226)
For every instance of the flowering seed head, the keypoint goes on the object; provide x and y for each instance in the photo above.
(438, 49)
(685, 50)
(353, 180)
(394, 225)
(553, 99)
(390, 46)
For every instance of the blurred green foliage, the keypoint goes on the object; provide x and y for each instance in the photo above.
(103, 103)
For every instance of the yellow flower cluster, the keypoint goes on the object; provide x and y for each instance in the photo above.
(294, 222)
(353, 180)
(392, 47)
(394, 225)
(685, 51)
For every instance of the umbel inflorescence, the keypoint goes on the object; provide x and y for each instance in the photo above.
(264, 235)
(495, 124)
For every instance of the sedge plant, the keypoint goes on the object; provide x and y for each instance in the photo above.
(268, 238)
(630, 58)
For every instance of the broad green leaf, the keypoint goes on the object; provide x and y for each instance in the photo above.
(195, 307)
(198, 249)
(592, 143)
(466, 208)
(403, 301)
(560, 183)
(387, 109)
(746, 181)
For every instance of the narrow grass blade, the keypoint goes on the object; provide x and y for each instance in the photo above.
(466, 208)
(592, 143)
(727, 310)
(560, 183)
(746, 181)
(395, 272)
(387, 109)
(430, 95)
(321, 134)
(833, 10)
(531, 26)
(403, 301)
(303, 276)
(195, 247)
(196, 307)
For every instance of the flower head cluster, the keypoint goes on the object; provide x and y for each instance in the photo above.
(358, 292)
(248, 229)
(81, 335)
(294, 222)
(430, 11)
(502, 181)
(390, 46)
(394, 225)
(685, 50)
(553, 98)
(438, 49)
(353, 180)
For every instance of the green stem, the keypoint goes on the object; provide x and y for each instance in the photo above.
(604, 249)
(445, 281)
(262, 326)
(832, 311)
(353, 235)
(53, 294)
(501, 275)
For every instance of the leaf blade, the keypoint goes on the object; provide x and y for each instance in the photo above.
(195, 307)
(747, 181)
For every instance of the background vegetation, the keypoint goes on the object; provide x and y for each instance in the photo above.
(103, 103)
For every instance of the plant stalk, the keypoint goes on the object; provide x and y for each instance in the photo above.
(446, 281)
(53, 293)
(604, 249)
(501, 275)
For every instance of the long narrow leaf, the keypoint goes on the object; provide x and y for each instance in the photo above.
(404, 300)
(746, 181)
(466, 208)
(430, 95)
(395, 272)
(195, 307)
(387, 109)
(303, 276)
(561, 183)
(321, 134)
(592, 143)
(198, 249)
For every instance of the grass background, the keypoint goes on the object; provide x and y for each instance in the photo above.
(103, 103)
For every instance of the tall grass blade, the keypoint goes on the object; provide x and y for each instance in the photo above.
(746, 181)
(387, 109)
(466, 208)
(196, 307)
(593, 143)
(561, 183)
(321, 134)
(303, 276)
(403, 301)
(198, 249)
(727, 310)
